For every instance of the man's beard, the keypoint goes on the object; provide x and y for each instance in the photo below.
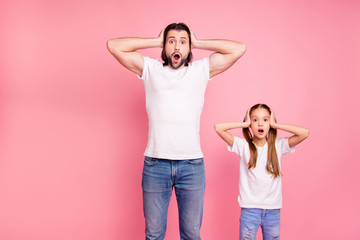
(178, 64)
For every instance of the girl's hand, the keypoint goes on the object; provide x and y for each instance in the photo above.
(247, 120)
(272, 119)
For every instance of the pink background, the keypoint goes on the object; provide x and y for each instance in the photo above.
(73, 125)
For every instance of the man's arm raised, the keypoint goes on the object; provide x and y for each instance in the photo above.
(226, 53)
(124, 50)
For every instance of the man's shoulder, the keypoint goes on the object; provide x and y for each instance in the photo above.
(201, 61)
(152, 63)
(150, 59)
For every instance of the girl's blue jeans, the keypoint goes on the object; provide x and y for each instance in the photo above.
(159, 178)
(252, 218)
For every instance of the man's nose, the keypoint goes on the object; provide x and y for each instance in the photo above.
(177, 46)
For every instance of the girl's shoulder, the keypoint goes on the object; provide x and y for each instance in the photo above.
(282, 141)
(238, 146)
(282, 144)
(240, 141)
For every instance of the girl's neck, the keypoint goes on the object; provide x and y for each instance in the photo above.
(259, 142)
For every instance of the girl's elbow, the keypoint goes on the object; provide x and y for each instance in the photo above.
(217, 128)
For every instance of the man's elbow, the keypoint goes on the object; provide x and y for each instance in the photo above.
(110, 45)
(306, 133)
(241, 50)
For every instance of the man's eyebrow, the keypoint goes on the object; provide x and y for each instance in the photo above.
(180, 37)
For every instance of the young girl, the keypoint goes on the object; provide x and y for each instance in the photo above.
(260, 196)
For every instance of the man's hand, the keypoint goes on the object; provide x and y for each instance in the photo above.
(194, 40)
(161, 37)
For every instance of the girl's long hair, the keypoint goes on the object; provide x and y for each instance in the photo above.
(272, 165)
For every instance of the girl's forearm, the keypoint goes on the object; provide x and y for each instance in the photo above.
(300, 133)
(221, 130)
(230, 125)
(297, 130)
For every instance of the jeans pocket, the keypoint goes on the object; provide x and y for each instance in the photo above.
(149, 161)
(197, 161)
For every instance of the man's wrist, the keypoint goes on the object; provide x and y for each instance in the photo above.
(195, 43)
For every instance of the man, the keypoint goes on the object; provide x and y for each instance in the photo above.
(174, 99)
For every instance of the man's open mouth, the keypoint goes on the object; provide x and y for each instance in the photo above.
(176, 56)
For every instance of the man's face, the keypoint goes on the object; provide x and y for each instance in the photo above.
(177, 48)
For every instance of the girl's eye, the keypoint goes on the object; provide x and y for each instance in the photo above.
(265, 120)
(254, 120)
(171, 41)
(183, 42)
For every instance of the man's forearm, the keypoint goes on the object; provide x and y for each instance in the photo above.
(220, 46)
(130, 44)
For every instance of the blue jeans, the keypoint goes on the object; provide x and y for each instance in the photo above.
(160, 176)
(252, 218)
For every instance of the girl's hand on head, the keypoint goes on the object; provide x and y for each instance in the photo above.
(272, 119)
(247, 119)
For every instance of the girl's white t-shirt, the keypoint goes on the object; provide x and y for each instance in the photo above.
(258, 188)
(174, 102)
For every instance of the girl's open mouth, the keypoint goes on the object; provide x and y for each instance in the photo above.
(261, 131)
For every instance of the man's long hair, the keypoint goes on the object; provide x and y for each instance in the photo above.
(177, 27)
(272, 165)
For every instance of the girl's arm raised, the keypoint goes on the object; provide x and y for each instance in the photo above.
(300, 133)
(222, 129)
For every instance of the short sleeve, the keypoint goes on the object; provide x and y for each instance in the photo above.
(206, 67)
(282, 146)
(148, 64)
(238, 146)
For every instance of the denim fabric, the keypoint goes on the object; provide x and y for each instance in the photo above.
(252, 218)
(160, 176)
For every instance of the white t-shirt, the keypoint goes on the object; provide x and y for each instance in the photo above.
(258, 188)
(174, 101)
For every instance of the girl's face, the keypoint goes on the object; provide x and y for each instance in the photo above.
(260, 123)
